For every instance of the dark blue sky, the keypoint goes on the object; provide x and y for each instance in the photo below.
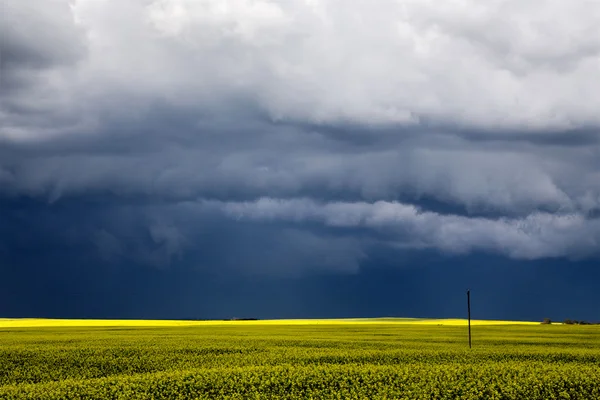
(275, 159)
(49, 272)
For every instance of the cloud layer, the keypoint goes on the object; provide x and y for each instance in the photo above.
(461, 127)
(505, 64)
(535, 236)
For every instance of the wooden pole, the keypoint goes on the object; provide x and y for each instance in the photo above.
(469, 313)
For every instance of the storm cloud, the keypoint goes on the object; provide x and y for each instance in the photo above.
(290, 138)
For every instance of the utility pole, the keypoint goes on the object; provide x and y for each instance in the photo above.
(469, 313)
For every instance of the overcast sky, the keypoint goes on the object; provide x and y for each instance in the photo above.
(210, 158)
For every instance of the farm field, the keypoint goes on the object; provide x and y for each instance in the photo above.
(320, 359)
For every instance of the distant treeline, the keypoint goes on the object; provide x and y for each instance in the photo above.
(241, 319)
(547, 321)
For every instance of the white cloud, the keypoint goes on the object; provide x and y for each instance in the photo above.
(535, 236)
(503, 63)
(511, 64)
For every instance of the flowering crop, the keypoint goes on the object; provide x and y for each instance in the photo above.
(336, 361)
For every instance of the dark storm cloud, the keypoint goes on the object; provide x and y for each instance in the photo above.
(188, 159)
(247, 135)
(114, 236)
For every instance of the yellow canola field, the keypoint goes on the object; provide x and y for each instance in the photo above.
(41, 323)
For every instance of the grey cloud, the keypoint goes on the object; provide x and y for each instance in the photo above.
(41, 51)
(39, 34)
(291, 162)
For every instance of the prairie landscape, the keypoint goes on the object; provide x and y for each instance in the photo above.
(168, 164)
(337, 359)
